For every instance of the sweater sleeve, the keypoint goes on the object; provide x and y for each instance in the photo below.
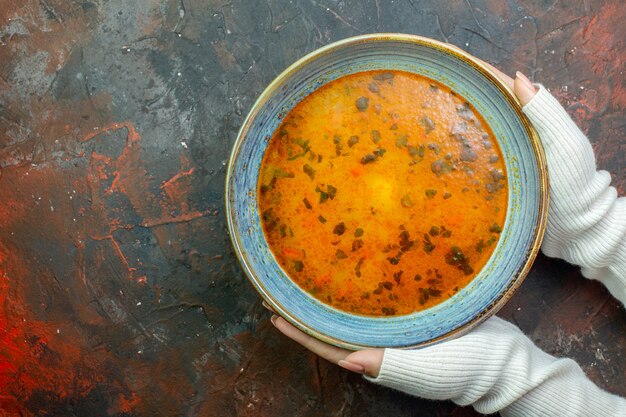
(586, 219)
(497, 368)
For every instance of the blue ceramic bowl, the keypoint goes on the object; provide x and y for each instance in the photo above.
(527, 181)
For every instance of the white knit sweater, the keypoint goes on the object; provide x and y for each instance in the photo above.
(495, 367)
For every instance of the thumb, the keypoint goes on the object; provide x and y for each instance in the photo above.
(370, 360)
(523, 88)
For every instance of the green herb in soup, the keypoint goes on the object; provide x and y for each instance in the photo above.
(382, 193)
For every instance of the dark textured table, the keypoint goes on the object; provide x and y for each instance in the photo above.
(120, 294)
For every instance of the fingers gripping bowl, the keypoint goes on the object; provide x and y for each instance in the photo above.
(526, 181)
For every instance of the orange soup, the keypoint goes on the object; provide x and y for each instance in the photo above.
(382, 193)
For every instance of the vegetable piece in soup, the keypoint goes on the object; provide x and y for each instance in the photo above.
(382, 193)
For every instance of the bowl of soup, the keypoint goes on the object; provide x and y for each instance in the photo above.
(386, 191)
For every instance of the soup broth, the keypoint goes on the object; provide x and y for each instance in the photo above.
(382, 193)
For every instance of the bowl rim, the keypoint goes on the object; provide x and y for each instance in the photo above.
(483, 68)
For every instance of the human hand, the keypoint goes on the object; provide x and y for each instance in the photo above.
(362, 362)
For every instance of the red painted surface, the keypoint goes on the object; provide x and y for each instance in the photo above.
(54, 356)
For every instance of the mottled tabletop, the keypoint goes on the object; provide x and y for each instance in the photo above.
(120, 294)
